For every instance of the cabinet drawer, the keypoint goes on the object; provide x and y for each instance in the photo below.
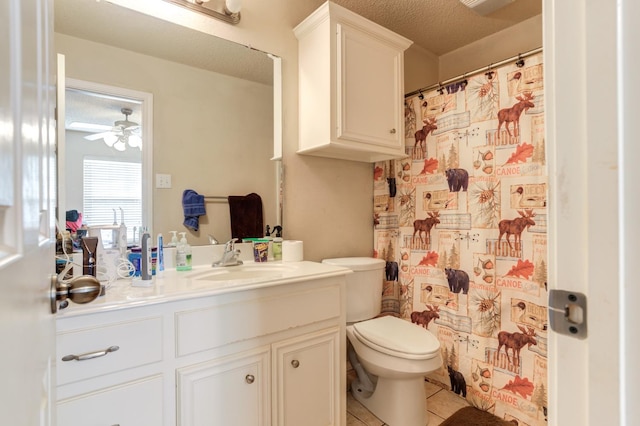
(138, 342)
(211, 327)
(136, 403)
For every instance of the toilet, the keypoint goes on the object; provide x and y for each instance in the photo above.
(390, 355)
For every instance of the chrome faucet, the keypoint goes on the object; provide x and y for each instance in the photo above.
(230, 255)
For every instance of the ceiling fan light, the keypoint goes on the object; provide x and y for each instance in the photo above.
(135, 141)
(120, 146)
(109, 140)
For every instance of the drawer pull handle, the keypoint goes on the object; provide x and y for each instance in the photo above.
(295, 363)
(249, 378)
(90, 355)
(392, 131)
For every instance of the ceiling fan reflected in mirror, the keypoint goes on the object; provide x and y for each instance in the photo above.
(123, 133)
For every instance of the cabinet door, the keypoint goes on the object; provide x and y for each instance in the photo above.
(306, 380)
(136, 403)
(369, 89)
(231, 391)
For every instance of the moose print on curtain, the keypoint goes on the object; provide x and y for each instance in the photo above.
(466, 229)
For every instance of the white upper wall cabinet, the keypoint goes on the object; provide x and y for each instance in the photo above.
(351, 87)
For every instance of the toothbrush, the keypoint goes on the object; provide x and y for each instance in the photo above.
(114, 232)
(122, 235)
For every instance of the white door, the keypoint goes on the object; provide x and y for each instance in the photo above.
(591, 53)
(27, 179)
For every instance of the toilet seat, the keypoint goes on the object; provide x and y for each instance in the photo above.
(396, 337)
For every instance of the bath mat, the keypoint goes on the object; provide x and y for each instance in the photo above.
(471, 416)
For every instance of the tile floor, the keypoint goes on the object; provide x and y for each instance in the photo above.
(441, 403)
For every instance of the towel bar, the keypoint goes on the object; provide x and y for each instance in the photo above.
(215, 199)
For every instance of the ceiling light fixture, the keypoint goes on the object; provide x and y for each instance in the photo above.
(225, 10)
(485, 7)
(120, 143)
(121, 134)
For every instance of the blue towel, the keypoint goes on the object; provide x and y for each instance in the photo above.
(193, 207)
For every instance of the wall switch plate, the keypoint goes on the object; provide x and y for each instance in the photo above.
(163, 180)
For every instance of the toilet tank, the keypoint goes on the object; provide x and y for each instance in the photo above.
(364, 286)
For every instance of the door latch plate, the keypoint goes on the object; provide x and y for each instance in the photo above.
(568, 313)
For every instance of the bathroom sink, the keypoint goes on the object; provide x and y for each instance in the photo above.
(247, 272)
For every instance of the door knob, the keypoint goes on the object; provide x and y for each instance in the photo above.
(82, 289)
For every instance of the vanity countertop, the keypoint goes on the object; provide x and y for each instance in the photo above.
(203, 280)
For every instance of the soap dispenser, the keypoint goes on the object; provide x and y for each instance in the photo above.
(181, 257)
(183, 254)
(187, 252)
(277, 243)
(174, 239)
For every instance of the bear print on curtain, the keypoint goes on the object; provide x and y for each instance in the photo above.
(466, 229)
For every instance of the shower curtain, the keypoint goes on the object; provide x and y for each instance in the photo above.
(462, 220)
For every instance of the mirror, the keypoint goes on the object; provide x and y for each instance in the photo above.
(213, 108)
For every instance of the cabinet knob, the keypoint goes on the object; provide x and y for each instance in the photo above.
(295, 363)
(392, 131)
(249, 378)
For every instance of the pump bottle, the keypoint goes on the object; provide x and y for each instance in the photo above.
(174, 239)
(183, 254)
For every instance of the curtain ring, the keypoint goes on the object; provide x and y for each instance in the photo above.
(489, 73)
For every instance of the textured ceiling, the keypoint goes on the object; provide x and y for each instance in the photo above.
(438, 26)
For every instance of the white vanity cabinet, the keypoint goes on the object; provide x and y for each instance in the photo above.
(224, 342)
(351, 87)
(291, 382)
(272, 355)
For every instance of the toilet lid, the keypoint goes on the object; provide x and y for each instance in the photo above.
(397, 337)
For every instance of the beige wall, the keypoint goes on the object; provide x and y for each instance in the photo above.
(211, 132)
(504, 44)
(420, 68)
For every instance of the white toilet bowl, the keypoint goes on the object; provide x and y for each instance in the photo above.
(397, 355)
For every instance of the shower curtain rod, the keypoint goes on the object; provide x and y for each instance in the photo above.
(468, 74)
